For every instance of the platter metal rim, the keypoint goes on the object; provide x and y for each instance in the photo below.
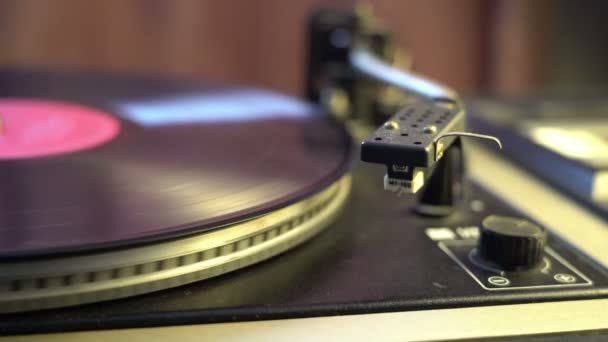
(79, 279)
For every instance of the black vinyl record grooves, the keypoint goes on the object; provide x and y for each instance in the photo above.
(186, 158)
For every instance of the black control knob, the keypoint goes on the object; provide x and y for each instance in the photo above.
(511, 243)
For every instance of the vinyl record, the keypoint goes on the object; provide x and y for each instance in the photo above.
(94, 161)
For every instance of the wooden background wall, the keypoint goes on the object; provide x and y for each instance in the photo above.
(262, 41)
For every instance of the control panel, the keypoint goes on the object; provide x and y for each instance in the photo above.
(506, 253)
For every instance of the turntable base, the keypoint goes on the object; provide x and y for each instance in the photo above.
(505, 323)
(374, 258)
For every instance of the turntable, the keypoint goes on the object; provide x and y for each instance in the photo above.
(137, 207)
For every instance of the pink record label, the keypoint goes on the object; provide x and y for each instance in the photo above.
(38, 128)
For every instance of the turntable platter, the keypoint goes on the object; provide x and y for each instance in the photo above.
(95, 161)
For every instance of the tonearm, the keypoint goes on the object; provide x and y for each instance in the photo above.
(420, 143)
